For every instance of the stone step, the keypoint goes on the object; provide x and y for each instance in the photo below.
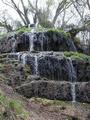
(56, 90)
(54, 66)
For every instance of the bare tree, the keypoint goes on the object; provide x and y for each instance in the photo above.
(44, 14)
(88, 3)
(23, 14)
(62, 5)
(4, 21)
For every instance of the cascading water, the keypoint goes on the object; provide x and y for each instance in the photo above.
(36, 64)
(19, 55)
(31, 40)
(14, 45)
(73, 78)
(23, 57)
(73, 91)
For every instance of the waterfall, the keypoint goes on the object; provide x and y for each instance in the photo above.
(42, 40)
(36, 64)
(14, 45)
(19, 54)
(23, 57)
(73, 78)
(31, 40)
(73, 91)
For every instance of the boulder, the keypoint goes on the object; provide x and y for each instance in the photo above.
(56, 90)
(42, 41)
(83, 92)
(46, 89)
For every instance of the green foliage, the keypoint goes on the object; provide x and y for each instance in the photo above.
(47, 102)
(17, 107)
(2, 98)
(23, 29)
(59, 31)
(12, 105)
(76, 55)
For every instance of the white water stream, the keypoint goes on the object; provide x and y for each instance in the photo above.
(36, 64)
(73, 78)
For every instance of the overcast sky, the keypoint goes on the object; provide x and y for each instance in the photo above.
(12, 12)
(15, 16)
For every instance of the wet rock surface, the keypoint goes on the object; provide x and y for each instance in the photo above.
(55, 66)
(51, 74)
(42, 41)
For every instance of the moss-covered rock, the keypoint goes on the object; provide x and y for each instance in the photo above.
(23, 29)
(60, 31)
(46, 40)
(77, 56)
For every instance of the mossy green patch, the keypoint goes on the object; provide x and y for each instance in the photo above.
(15, 106)
(59, 31)
(48, 102)
(78, 56)
(23, 29)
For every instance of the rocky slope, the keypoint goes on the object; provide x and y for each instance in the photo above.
(61, 71)
(56, 73)
(15, 107)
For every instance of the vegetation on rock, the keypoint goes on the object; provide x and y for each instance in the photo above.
(78, 56)
(23, 29)
(59, 31)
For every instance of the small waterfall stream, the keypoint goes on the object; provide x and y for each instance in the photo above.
(36, 64)
(73, 91)
(31, 38)
(73, 78)
(14, 45)
(23, 57)
(54, 74)
(19, 54)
